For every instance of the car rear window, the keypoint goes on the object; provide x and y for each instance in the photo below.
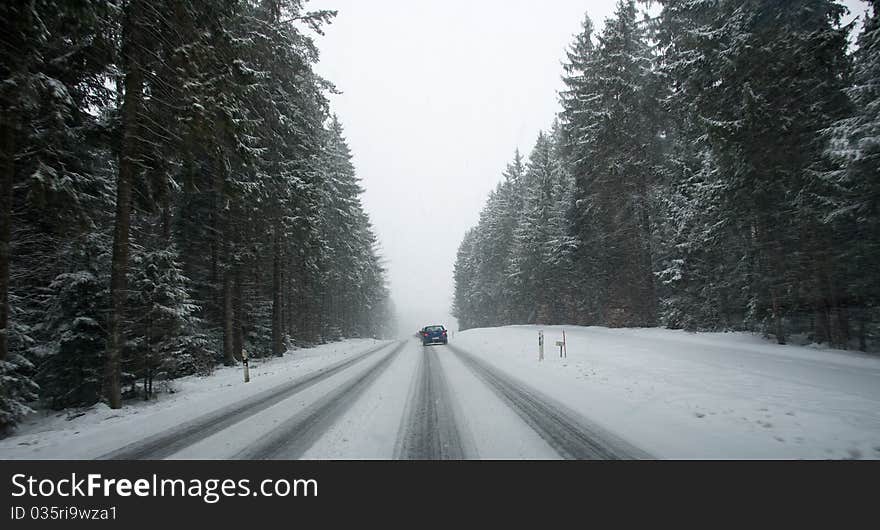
(434, 328)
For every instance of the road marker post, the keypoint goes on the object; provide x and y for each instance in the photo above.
(247, 372)
(540, 345)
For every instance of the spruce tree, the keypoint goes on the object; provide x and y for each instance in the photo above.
(761, 82)
(613, 144)
(853, 185)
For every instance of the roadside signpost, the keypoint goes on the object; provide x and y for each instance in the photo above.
(247, 372)
(540, 345)
(561, 344)
(563, 348)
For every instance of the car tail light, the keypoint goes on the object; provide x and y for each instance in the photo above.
(426, 333)
(444, 332)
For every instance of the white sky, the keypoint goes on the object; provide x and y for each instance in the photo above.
(437, 95)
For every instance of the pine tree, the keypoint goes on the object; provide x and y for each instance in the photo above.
(164, 332)
(191, 125)
(492, 296)
(339, 224)
(612, 137)
(52, 164)
(74, 336)
(464, 274)
(560, 245)
(725, 148)
(761, 81)
(528, 270)
(851, 204)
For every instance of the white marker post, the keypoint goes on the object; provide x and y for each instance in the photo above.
(540, 345)
(247, 372)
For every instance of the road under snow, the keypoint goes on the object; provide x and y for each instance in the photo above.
(618, 394)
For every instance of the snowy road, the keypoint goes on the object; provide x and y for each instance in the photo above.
(294, 436)
(619, 394)
(430, 431)
(303, 418)
(172, 440)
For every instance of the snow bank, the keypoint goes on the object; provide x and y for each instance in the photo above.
(84, 434)
(696, 396)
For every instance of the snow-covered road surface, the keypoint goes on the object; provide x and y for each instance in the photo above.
(169, 442)
(294, 436)
(620, 394)
(430, 431)
(289, 421)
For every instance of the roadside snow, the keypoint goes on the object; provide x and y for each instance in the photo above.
(92, 432)
(701, 396)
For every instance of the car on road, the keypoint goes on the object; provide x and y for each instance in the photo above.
(434, 335)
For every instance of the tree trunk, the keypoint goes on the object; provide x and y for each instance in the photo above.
(237, 316)
(7, 175)
(821, 325)
(288, 305)
(649, 288)
(215, 236)
(166, 222)
(228, 357)
(277, 321)
(216, 206)
(148, 337)
(838, 319)
(777, 317)
(302, 314)
(131, 108)
(285, 301)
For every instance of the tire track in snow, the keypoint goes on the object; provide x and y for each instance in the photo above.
(168, 442)
(572, 437)
(429, 430)
(291, 439)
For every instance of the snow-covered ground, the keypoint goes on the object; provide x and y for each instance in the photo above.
(618, 393)
(85, 434)
(701, 396)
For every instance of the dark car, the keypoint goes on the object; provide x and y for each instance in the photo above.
(434, 335)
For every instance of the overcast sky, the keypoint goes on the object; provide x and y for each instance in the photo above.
(436, 97)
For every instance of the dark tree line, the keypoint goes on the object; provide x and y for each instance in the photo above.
(173, 191)
(716, 167)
